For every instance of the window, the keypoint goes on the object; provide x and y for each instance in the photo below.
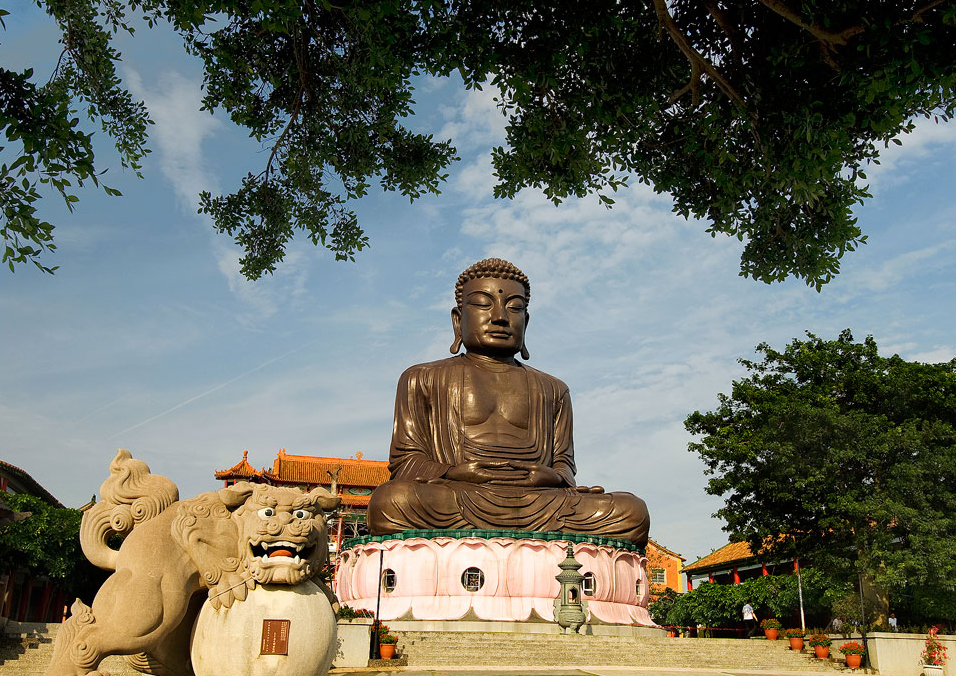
(388, 580)
(658, 576)
(588, 584)
(472, 579)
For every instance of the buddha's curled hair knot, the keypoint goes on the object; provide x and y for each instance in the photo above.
(491, 267)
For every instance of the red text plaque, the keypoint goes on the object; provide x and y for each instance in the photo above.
(275, 637)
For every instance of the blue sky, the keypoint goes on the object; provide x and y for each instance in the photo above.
(147, 337)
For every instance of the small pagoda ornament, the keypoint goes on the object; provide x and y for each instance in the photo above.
(570, 608)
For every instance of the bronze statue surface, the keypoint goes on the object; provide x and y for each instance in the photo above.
(484, 441)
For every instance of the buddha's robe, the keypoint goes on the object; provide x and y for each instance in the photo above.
(429, 437)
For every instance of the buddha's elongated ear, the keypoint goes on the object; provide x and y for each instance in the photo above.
(456, 326)
(524, 348)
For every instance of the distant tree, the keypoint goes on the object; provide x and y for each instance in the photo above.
(847, 458)
(759, 117)
(660, 607)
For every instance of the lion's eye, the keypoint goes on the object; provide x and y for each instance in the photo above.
(266, 512)
(300, 514)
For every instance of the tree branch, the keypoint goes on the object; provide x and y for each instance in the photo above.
(294, 115)
(728, 26)
(819, 32)
(695, 57)
(918, 14)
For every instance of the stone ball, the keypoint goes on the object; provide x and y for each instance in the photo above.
(229, 640)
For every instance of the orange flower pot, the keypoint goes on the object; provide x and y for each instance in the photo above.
(771, 634)
(387, 650)
(796, 643)
(821, 651)
(853, 661)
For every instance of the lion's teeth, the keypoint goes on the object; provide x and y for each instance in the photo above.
(297, 559)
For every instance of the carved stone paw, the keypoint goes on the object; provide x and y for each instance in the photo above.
(231, 587)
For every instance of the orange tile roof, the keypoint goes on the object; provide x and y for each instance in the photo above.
(242, 469)
(354, 500)
(664, 550)
(309, 469)
(731, 553)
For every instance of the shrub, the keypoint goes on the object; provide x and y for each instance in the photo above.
(771, 623)
(794, 633)
(349, 613)
(819, 640)
(661, 606)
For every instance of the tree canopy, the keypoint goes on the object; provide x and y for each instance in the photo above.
(758, 117)
(48, 543)
(847, 459)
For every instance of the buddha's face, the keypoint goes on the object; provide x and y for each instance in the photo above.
(493, 316)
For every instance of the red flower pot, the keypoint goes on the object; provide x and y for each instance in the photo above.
(796, 643)
(771, 634)
(853, 661)
(821, 651)
(387, 650)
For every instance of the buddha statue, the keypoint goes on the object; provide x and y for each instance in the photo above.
(483, 441)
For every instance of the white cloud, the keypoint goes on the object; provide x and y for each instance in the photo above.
(475, 121)
(938, 355)
(261, 299)
(893, 271)
(897, 162)
(179, 131)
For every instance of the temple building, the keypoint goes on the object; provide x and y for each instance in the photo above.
(663, 568)
(353, 479)
(26, 595)
(732, 564)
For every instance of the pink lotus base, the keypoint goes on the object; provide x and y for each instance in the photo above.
(518, 578)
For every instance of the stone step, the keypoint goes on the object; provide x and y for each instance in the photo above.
(29, 654)
(507, 649)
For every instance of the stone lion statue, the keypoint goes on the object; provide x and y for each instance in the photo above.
(225, 542)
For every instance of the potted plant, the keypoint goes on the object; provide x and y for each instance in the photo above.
(770, 628)
(853, 653)
(386, 642)
(795, 637)
(821, 645)
(934, 654)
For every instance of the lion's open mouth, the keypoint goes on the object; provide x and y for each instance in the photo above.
(282, 549)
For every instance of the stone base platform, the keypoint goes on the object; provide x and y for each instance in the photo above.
(497, 576)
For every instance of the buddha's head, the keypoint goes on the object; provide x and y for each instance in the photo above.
(491, 312)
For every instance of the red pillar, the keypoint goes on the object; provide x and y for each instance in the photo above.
(690, 584)
(763, 566)
(44, 602)
(25, 599)
(736, 576)
(796, 566)
(55, 613)
(710, 577)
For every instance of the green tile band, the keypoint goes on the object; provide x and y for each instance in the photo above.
(547, 536)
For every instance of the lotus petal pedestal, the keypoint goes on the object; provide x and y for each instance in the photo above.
(489, 575)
